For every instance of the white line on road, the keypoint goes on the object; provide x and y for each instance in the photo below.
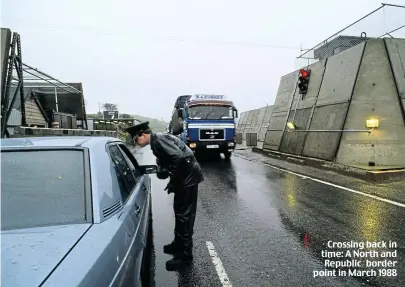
(218, 265)
(338, 186)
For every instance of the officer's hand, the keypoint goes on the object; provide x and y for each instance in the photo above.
(162, 173)
(169, 188)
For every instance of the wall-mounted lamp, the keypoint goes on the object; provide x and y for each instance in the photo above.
(291, 125)
(372, 123)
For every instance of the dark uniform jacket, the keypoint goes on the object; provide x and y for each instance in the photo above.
(177, 158)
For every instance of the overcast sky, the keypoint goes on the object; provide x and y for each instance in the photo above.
(142, 55)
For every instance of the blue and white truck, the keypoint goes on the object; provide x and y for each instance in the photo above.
(209, 124)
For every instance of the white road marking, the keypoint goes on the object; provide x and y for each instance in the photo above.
(218, 265)
(338, 186)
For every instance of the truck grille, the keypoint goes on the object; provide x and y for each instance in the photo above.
(215, 134)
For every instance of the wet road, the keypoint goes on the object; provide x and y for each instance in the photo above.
(269, 227)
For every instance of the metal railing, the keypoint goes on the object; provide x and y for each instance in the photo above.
(388, 20)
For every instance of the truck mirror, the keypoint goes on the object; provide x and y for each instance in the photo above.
(235, 113)
(180, 113)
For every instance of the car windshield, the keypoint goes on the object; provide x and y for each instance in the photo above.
(210, 112)
(42, 188)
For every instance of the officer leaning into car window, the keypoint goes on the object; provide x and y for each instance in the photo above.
(177, 161)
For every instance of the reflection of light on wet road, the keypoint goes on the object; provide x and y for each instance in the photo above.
(291, 200)
(338, 186)
(289, 184)
(269, 227)
(369, 219)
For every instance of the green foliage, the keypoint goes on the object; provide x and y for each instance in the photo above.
(91, 116)
(110, 107)
(94, 116)
(154, 124)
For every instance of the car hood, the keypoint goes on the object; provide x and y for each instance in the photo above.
(28, 256)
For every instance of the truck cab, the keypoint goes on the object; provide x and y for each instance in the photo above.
(209, 124)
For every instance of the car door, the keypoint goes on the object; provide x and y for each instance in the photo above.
(142, 203)
(144, 196)
(131, 184)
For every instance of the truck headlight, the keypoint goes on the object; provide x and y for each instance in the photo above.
(231, 144)
(193, 145)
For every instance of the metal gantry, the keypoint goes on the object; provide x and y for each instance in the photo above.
(307, 55)
(15, 80)
(14, 64)
(43, 80)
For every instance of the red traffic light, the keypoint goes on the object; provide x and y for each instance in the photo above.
(304, 73)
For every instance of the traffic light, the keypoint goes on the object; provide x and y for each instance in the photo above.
(303, 81)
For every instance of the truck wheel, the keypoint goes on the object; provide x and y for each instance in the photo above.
(227, 155)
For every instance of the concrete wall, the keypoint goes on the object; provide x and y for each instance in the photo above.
(266, 122)
(365, 81)
(332, 103)
(396, 53)
(281, 108)
(375, 95)
(255, 121)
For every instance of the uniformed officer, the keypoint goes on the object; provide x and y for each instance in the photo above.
(175, 160)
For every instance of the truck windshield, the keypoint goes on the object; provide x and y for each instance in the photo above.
(210, 112)
(42, 188)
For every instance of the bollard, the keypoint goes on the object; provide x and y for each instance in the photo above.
(251, 139)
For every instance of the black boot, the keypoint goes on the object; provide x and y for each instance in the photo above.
(180, 261)
(171, 248)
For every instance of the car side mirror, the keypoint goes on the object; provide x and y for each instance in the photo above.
(148, 169)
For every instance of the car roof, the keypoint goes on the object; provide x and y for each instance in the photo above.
(57, 141)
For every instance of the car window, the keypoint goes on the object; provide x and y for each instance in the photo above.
(133, 164)
(125, 177)
(42, 188)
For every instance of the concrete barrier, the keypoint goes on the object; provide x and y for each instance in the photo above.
(251, 139)
(375, 95)
(363, 82)
(255, 121)
(239, 139)
(265, 123)
(281, 108)
(243, 123)
(249, 122)
(240, 123)
(396, 54)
